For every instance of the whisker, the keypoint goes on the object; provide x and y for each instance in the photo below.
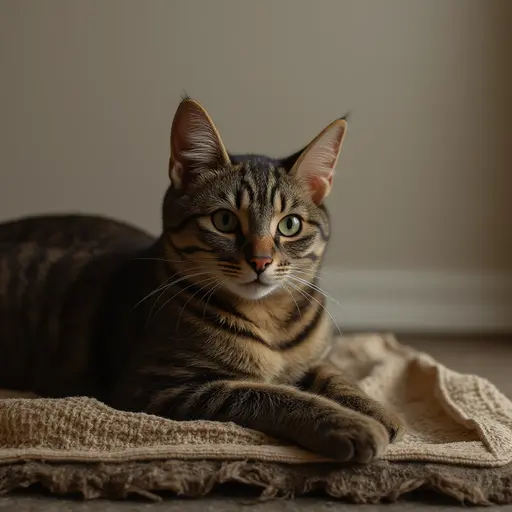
(317, 276)
(323, 271)
(210, 279)
(309, 297)
(316, 288)
(177, 261)
(169, 285)
(211, 292)
(163, 285)
(181, 291)
(293, 298)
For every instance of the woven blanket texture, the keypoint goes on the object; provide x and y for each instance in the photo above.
(452, 418)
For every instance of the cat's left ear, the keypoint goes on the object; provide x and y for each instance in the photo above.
(315, 165)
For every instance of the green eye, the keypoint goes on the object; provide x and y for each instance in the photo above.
(225, 221)
(290, 225)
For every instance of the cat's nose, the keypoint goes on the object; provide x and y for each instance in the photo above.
(260, 263)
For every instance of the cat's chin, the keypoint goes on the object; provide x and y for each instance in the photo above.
(251, 291)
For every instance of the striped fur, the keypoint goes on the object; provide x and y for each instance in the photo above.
(185, 325)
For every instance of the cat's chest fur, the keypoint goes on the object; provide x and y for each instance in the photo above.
(281, 354)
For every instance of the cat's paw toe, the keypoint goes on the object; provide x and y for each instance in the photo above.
(395, 426)
(356, 441)
(370, 441)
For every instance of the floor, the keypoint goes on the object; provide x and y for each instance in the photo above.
(489, 357)
(222, 505)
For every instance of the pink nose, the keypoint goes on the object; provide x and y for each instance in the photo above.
(260, 263)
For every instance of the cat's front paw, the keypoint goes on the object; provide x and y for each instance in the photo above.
(351, 438)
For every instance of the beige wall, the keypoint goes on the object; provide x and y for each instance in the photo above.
(89, 88)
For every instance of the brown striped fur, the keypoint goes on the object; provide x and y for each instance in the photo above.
(220, 317)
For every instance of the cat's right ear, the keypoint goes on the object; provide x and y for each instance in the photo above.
(196, 145)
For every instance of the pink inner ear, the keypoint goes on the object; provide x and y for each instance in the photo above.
(316, 164)
(319, 187)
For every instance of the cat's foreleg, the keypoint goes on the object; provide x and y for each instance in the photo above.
(313, 422)
(325, 380)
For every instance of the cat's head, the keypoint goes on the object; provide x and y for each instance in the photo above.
(250, 224)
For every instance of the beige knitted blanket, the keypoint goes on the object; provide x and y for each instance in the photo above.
(452, 418)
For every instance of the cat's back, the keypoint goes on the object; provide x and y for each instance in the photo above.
(53, 272)
(32, 248)
(68, 231)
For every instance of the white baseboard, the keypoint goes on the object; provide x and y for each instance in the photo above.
(420, 301)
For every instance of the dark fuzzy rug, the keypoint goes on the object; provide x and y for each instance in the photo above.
(374, 483)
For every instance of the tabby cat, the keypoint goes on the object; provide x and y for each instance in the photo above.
(218, 318)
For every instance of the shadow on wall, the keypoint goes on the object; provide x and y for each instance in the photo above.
(497, 237)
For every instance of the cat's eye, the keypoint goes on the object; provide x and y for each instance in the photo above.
(290, 225)
(225, 221)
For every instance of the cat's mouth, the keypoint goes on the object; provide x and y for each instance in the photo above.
(256, 280)
(259, 280)
(255, 289)
(255, 284)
